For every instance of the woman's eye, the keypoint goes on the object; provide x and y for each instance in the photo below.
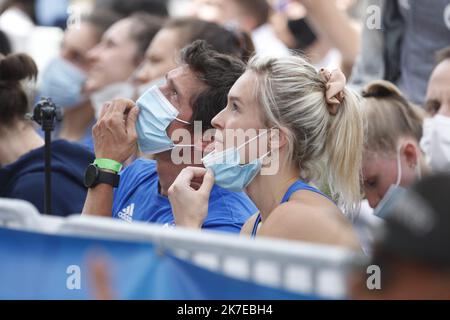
(371, 183)
(234, 107)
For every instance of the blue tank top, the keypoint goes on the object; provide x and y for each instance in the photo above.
(297, 186)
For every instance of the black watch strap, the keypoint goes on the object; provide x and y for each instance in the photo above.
(105, 177)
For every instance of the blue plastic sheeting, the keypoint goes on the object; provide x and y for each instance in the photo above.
(43, 267)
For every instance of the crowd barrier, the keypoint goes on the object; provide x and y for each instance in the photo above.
(292, 269)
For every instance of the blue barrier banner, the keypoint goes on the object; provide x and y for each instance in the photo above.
(48, 267)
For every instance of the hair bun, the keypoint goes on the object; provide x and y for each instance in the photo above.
(17, 67)
(381, 89)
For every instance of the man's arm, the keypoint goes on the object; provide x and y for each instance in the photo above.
(99, 201)
(115, 138)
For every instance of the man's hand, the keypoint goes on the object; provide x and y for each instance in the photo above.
(115, 134)
(189, 199)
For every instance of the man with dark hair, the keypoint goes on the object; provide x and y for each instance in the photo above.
(197, 90)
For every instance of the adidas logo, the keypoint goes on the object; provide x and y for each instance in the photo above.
(127, 213)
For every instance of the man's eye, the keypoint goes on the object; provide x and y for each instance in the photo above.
(433, 106)
(234, 107)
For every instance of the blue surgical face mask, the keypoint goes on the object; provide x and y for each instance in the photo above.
(63, 83)
(228, 171)
(156, 115)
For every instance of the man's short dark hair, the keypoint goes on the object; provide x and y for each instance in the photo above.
(218, 71)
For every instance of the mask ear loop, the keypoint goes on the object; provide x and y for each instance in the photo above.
(399, 167)
(182, 121)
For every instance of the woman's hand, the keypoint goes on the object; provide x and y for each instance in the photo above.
(189, 197)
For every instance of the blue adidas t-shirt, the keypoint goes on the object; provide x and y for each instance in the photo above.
(138, 199)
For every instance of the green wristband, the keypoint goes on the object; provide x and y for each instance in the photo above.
(108, 164)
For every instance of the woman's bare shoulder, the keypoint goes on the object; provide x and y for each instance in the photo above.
(310, 219)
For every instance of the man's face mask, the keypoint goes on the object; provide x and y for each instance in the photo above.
(228, 171)
(436, 142)
(156, 115)
(63, 83)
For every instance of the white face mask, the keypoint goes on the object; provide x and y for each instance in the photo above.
(436, 142)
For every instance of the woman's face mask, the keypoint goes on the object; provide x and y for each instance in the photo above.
(436, 142)
(395, 190)
(228, 171)
(63, 82)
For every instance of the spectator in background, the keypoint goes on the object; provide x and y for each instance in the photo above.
(251, 16)
(5, 46)
(112, 62)
(392, 155)
(129, 7)
(399, 45)
(64, 78)
(163, 53)
(436, 140)
(17, 20)
(412, 248)
(22, 152)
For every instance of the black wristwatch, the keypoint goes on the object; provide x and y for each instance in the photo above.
(95, 176)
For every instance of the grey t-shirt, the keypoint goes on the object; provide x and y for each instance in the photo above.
(427, 31)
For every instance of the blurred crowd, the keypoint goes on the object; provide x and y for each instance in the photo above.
(358, 92)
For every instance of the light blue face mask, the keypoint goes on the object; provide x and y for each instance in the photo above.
(156, 115)
(63, 83)
(228, 171)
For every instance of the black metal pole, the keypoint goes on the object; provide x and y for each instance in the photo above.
(45, 114)
(48, 173)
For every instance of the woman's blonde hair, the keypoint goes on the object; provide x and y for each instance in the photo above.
(326, 148)
(388, 116)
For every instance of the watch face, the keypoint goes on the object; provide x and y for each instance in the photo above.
(91, 176)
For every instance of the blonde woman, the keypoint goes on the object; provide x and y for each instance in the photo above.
(392, 154)
(320, 140)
